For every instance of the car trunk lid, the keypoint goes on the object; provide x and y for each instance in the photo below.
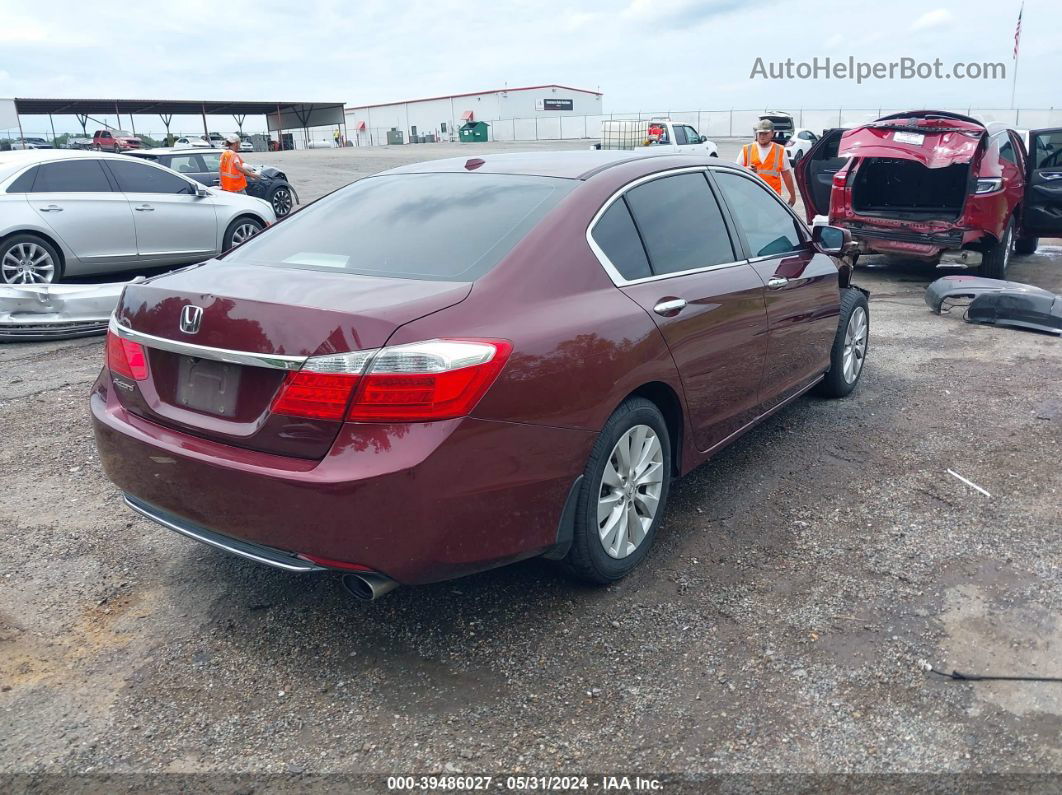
(255, 326)
(932, 142)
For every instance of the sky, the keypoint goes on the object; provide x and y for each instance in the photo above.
(642, 54)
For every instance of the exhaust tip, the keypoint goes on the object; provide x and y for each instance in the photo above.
(369, 586)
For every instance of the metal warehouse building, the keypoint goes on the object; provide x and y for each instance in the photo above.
(442, 117)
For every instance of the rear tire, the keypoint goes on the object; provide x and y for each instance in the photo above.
(849, 351)
(995, 260)
(622, 501)
(1024, 246)
(240, 230)
(28, 259)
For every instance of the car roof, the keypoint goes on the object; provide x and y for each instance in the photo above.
(176, 150)
(10, 162)
(569, 164)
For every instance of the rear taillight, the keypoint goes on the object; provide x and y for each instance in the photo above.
(126, 358)
(420, 382)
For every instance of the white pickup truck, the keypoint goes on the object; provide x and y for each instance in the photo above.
(657, 136)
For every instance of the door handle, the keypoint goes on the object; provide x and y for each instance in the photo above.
(144, 208)
(670, 307)
(52, 208)
(777, 281)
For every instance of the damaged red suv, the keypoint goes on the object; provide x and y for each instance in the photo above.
(930, 184)
(459, 364)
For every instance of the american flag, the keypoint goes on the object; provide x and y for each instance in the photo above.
(1017, 32)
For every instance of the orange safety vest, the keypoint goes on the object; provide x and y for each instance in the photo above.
(232, 178)
(769, 170)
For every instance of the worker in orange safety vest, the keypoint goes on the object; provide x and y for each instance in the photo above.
(769, 160)
(234, 173)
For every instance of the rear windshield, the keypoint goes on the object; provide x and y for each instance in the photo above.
(438, 227)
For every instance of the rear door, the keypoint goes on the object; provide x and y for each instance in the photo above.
(802, 296)
(211, 168)
(815, 171)
(173, 223)
(669, 249)
(1042, 214)
(77, 200)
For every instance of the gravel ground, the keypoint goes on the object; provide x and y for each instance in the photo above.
(779, 625)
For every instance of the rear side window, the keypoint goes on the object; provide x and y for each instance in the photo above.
(136, 177)
(680, 136)
(73, 176)
(681, 223)
(617, 236)
(439, 227)
(768, 226)
(185, 164)
(24, 182)
(212, 161)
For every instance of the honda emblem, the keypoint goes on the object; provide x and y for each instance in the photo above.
(191, 317)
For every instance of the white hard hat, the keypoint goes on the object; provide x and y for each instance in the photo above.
(232, 139)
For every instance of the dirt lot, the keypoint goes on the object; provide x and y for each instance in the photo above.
(778, 626)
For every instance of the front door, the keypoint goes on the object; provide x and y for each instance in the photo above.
(173, 223)
(1042, 213)
(706, 300)
(803, 297)
(75, 199)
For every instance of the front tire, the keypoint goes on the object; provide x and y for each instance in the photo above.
(849, 351)
(624, 494)
(995, 260)
(282, 201)
(241, 230)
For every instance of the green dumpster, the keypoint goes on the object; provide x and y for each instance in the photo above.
(473, 131)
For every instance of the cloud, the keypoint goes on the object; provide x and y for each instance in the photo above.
(933, 19)
(680, 14)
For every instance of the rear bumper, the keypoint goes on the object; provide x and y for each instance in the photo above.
(901, 240)
(418, 502)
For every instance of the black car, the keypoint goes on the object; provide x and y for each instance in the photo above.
(203, 165)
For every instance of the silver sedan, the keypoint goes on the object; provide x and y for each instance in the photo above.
(65, 213)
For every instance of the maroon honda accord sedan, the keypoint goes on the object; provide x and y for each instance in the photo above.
(459, 364)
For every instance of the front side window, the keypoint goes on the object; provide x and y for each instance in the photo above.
(135, 177)
(1047, 150)
(692, 135)
(438, 227)
(769, 228)
(680, 136)
(617, 236)
(74, 176)
(681, 223)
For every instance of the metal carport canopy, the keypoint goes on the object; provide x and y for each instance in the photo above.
(286, 115)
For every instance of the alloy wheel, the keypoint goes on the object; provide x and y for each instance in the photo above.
(27, 263)
(629, 493)
(243, 232)
(855, 345)
(281, 202)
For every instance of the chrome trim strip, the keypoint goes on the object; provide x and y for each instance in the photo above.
(606, 263)
(185, 531)
(270, 360)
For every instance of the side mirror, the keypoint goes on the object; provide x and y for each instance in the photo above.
(831, 240)
(202, 192)
(704, 139)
